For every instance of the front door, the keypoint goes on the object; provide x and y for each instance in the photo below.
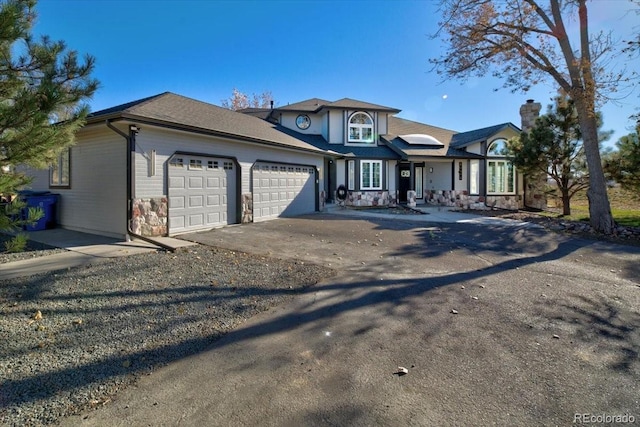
(404, 182)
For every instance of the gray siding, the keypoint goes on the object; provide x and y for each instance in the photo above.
(166, 142)
(96, 199)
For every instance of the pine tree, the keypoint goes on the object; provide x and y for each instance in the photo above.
(43, 87)
(623, 165)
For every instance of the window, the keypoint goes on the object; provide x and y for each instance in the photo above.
(501, 176)
(176, 162)
(474, 177)
(418, 171)
(371, 175)
(351, 184)
(498, 148)
(60, 170)
(361, 128)
(195, 164)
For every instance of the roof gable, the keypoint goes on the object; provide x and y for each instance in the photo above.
(464, 139)
(353, 104)
(310, 105)
(315, 105)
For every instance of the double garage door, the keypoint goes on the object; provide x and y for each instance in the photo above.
(203, 192)
(282, 190)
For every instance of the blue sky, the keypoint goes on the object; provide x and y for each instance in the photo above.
(373, 51)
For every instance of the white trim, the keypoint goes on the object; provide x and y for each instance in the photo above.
(351, 175)
(502, 174)
(371, 174)
(359, 128)
(474, 177)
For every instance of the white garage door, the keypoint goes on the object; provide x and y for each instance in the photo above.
(202, 193)
(282, 190)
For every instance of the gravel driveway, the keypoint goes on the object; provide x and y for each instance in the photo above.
(545, 326)
(72, 339)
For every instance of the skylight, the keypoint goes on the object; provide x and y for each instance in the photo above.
(421, 139)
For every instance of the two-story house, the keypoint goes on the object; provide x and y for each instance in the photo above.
(168, 164)
(381, 159)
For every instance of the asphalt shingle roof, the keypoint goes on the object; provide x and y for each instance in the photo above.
(187, 113)
(347, 103)
(463, 139)
(371, 152)
(190, 114)
(314, 105)
(310, 105)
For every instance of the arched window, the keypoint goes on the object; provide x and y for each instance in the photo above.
(361, 128)
(498, 148)
(501, 174)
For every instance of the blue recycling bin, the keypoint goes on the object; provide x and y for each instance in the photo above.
(47, 202)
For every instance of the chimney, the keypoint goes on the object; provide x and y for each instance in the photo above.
(271, 102)
(529, 112)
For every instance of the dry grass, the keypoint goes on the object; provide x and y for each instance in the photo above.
(625, 207)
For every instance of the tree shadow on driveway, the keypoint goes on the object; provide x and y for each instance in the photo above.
(407, 262)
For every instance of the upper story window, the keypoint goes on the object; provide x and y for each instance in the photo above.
(361, 128)
(498, 148)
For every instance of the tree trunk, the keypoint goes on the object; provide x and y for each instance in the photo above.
(566, 202)
(600, 216)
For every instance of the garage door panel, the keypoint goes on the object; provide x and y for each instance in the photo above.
(280, 190)
(176, 182)
(177, 201)
(196, 201)
(196, 220)
(201, 197)
(213, 183)
(195, 182)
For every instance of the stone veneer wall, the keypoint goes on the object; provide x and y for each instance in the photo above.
(247, 208)
(535, 195)
(149, 216)
(461, 199)
(370, 198)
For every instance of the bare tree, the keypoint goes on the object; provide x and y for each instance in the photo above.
(239, 100)
(525, 42)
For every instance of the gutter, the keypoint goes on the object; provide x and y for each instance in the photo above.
(131, 148)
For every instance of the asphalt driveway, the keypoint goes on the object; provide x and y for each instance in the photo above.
(496, 325)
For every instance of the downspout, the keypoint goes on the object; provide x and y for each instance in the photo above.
(131, 148)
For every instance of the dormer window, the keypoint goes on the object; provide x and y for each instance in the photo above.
(361, 128)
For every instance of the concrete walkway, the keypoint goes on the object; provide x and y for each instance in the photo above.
(82, 249)
(431, 214)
